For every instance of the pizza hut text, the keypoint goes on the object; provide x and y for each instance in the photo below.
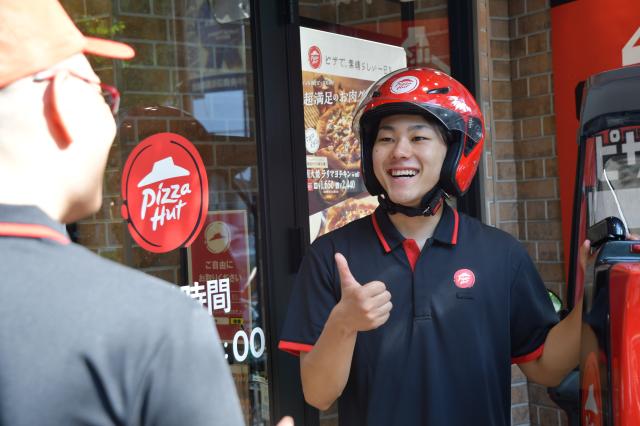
(167, 202)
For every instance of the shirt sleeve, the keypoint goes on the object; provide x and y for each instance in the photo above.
(532, 313)
(188, 381)
(313, 297)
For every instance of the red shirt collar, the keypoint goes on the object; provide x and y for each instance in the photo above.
(446, 231)
(30, 222)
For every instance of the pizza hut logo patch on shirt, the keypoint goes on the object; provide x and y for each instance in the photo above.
(464, 278)
(315, 57)
(404, 84)
(165, 192)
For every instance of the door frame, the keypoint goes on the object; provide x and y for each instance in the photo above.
(283, 205)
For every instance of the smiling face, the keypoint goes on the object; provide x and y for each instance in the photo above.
(408, 153)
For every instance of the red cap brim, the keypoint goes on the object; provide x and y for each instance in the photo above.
(108, 48)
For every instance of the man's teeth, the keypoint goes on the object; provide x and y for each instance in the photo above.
(399, 173)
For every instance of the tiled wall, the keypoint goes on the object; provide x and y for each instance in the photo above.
(520, 182)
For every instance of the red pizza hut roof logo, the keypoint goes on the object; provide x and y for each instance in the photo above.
(464, 278)
(165, 192)
(405, 84)
(315, 57)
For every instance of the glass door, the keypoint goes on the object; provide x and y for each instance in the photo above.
(192, 76)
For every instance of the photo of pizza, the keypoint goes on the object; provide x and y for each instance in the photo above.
(332, 149)
(337, 141)
(347, 211)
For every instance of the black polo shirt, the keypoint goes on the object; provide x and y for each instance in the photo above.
(85, 341)
(464, 308)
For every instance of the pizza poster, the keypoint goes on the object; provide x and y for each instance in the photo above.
(337, 70)
(219, 267)
(587, 37)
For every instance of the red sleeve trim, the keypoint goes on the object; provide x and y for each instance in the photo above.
(454, 237)
(379, 232)
(528, 357)
(294, 348)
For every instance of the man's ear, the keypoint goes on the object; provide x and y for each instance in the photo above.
(56, 111)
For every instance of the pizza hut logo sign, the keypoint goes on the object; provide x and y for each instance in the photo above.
(315, 57)
(165, 193)
(404, 84)
(464, 278)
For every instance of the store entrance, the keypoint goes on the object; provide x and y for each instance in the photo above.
(193, 79)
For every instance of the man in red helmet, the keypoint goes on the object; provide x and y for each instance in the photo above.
(414, 315)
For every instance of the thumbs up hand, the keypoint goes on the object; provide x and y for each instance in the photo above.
(362, 307)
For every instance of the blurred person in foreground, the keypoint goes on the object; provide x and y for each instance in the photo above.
(415, 314)
(83, 340)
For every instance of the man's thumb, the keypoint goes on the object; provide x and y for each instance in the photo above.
(346, 279)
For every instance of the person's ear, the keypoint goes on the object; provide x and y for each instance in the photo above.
(57, 111)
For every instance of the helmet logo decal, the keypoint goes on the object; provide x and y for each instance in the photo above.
(464, 278)
(460, 104)
(405, 84)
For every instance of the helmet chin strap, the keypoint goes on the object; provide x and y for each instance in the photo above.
(430, 204)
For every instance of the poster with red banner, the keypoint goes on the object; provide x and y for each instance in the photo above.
(337, 70)
(219, 270)
(587, 37)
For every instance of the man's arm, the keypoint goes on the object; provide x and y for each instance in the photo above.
(325, 369)
(561, 352)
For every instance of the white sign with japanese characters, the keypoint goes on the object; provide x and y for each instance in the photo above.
(617, 162)
(344, 56)
(215, 294)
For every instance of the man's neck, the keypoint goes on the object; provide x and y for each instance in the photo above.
(25, 194)
(418, 228)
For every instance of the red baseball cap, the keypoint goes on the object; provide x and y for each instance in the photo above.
(36, 34)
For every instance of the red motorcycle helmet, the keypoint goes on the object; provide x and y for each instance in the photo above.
(435, 95)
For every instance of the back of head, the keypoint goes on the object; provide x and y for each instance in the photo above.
(49, 101)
